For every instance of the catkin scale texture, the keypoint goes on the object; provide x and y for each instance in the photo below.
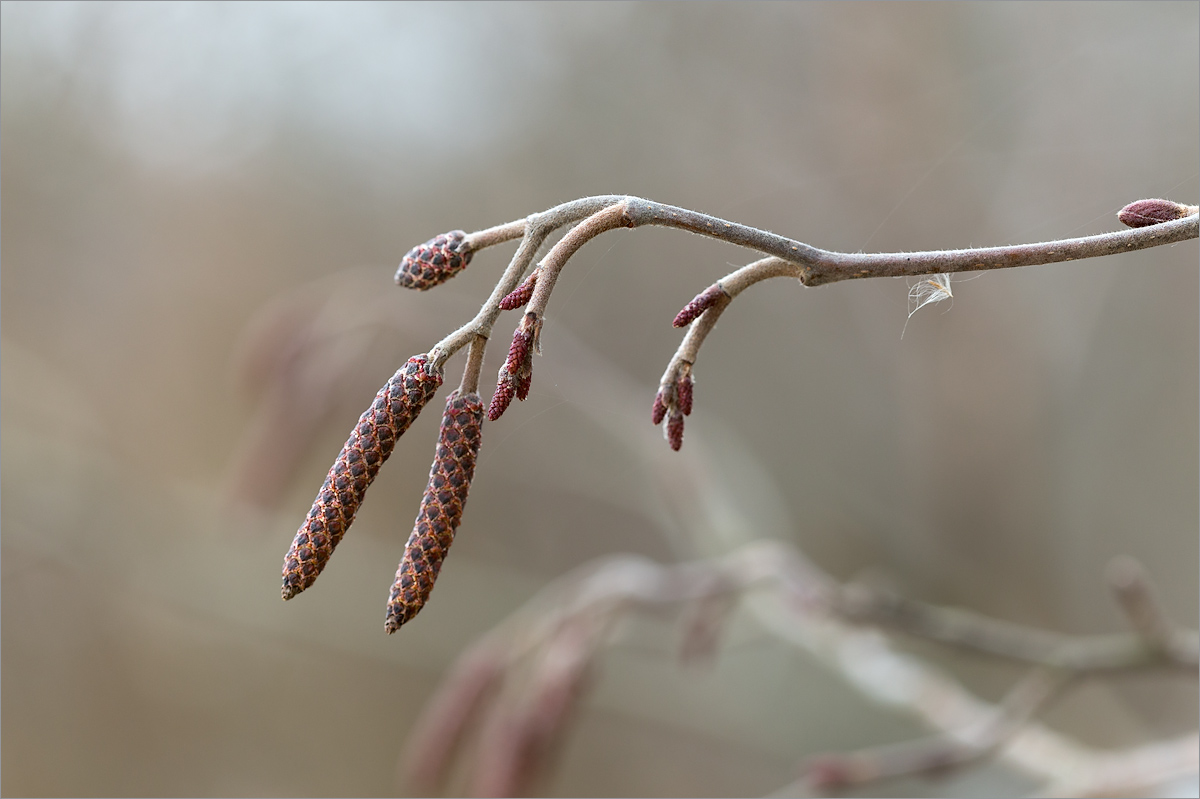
(394, 409)
(434, 262)
(441, 508)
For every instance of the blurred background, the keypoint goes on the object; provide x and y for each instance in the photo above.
(204, 204)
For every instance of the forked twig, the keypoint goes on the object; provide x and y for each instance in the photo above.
(426, 266)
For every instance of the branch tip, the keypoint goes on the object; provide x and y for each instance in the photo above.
(1144, 213)
(434, 262)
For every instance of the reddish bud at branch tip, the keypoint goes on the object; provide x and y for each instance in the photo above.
(434, 262)
(701, 303)
(1144, 213)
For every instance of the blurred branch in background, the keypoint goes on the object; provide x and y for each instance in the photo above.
(518, 683)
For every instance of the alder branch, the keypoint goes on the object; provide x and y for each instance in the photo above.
(1154, 222)
(428, 265)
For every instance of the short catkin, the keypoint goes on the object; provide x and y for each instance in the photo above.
(441, 508)
(434, 262)
(394, 409)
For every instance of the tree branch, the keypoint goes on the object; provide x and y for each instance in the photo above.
(1157, 222)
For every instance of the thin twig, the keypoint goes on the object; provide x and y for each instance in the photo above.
(1146, 615)
(1092, 653)
(946, 750)
(470, 378)
(787, 258)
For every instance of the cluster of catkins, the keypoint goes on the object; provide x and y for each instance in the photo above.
(397, 405)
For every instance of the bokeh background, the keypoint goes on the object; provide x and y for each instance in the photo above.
(203, 206)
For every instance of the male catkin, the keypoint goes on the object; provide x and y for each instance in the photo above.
(394, 409)
(441, 508)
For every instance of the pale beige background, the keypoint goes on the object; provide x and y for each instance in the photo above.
(183, 185)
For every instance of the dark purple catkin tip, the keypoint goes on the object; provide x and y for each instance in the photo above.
(675, 431)
(660, 408)
(683, 394)
(520, 295)
(434, 262)
(701, 303)
(1144, 213)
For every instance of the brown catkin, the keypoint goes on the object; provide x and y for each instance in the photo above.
(394, 409)
(441, 508)
(434, 262)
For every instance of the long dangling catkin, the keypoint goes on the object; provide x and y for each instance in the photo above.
(395, 407)
(441, 508)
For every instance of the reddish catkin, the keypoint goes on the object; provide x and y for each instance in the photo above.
(441, 508)
(675, 430)
(434, 262)
(1144, 213)
(505, 391)
(521, 294)
(683, 394)
(394, 409)
(659, 411)
(701, 303)
(519, 353)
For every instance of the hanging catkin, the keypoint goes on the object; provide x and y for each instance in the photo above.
(441, 508)
(394, 409)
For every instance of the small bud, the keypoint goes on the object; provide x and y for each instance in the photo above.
(1144, 213)
(441, 508)
(372, 440)
(434, 262)
(675, 430)
(660, 408)
(505, 391)
(521, 294)
(683, 394)
(701, 303)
